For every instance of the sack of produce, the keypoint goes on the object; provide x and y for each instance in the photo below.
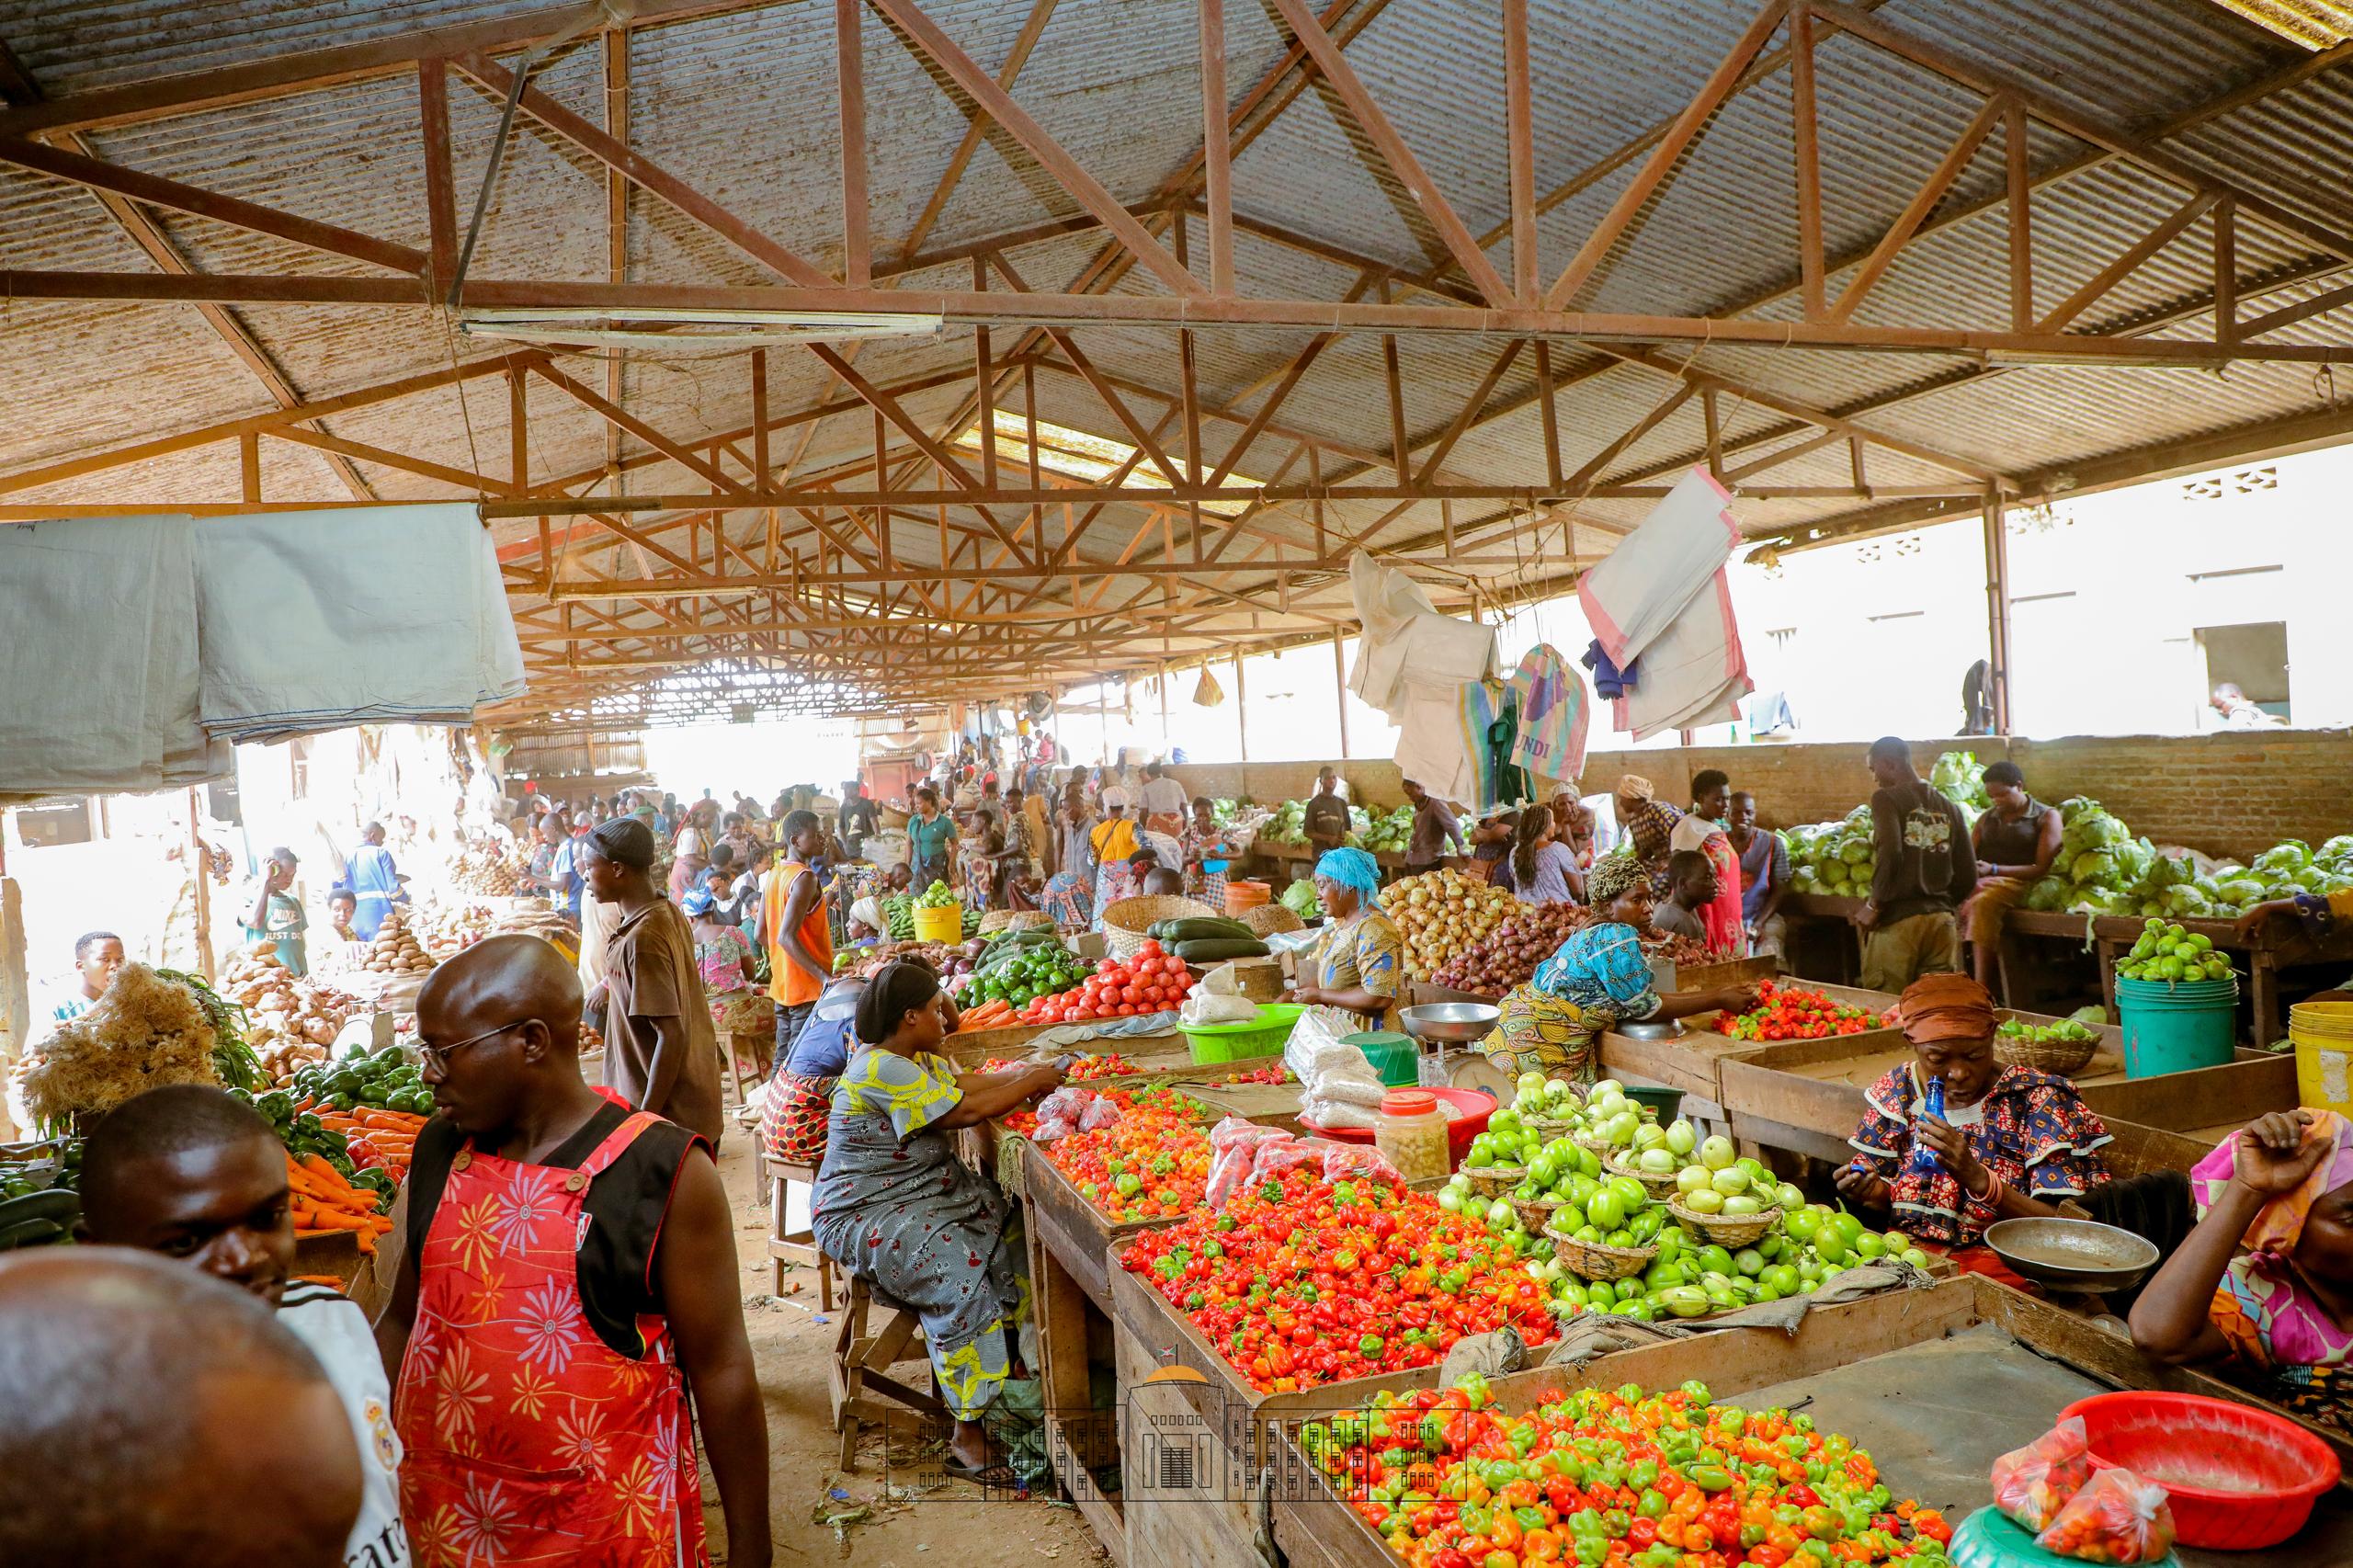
(1335, 1113)
(1346, 1089)
(2117, 1518)
(1204, 1007)
(2032, 1483)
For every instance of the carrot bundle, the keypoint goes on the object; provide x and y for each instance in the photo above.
(324, 1202)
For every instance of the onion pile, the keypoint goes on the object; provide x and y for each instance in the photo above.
(1508, 956)
(1440, 913)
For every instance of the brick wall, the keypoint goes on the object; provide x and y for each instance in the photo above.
(2236, 793)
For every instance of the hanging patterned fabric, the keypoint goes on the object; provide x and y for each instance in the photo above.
(1550, 697)
(1490, 732)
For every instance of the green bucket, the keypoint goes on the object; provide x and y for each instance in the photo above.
(1395, 1059)
(1664, 1104)
(1264, 1036)
(2177, 1026)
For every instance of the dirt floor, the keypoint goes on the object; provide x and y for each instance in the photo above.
(895, 1510)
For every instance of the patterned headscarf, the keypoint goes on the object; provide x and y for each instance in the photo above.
(2274, 1233)
(1634, 787)
(1351, 868)
(1601, 966)
(1944, 1006)
(1612, 876)
(698, 901)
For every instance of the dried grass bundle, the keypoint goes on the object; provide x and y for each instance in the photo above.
(147, 1031)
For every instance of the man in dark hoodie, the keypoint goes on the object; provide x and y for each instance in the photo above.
(1924, 869)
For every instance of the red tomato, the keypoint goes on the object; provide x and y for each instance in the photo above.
(1127, 1009)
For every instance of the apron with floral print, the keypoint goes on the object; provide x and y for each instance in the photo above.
(529, 1440)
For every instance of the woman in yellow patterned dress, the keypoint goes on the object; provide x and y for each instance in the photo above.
(1598, 977)
(896, 1208)
(1355, 964)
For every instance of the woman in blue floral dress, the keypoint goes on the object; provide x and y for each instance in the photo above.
(895, 1207)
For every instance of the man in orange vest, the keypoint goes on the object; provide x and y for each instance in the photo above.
(799, 937)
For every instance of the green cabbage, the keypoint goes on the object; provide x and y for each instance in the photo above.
(2047, 896)
(2239, 890)
(2283, 860)
(1301, 900)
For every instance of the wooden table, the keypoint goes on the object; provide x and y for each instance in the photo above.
(1936, 1383)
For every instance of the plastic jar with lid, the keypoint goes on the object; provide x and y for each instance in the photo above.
(1410, 1132)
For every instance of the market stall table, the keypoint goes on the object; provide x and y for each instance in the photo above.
(1936, 1383)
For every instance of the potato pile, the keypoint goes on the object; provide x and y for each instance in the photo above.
(485, 872)
(454, 927)
(1509, 955)
(293, 1020)
(1441, 913)
(395, 949)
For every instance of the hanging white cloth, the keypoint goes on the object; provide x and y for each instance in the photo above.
(313, 620)
(1646, 581)
(1694, 673)
(98, 669)
(1412, 664)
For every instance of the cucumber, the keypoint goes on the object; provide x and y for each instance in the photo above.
(1217, 949)
(59, 1205)
(1200, 929)
(30, 1234)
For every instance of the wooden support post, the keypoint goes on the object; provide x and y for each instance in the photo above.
(760, 419)
(1519, 122)
(249, 466)
(1340, 684)
(2226, 271)
(1551, 415)
(2021, 180)
(440, 185)
(201, 905)
(518, 433)
(1808, 159)
(849, 53)
(1997, 605)
(1216, 187)
(1715, 431)
(1241, 707)
(1396, 408)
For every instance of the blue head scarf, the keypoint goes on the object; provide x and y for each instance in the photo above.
(1351, 868)
(1601, 967)
(698, 901)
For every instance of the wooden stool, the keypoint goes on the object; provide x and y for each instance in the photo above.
(731, 1054)
(795, 1247)
(861, 1379)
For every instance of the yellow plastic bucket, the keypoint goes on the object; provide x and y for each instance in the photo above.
(940, 924)
(2321, 1033)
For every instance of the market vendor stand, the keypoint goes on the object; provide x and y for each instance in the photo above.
(1071, 1245)
(1937, 1383)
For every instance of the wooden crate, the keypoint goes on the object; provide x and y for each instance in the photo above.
(1693, 1061)
(1807, 1095)
(1937, 1383)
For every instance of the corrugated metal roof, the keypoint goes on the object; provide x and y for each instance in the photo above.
(740, 106)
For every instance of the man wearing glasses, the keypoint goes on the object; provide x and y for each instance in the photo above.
(569, 1282)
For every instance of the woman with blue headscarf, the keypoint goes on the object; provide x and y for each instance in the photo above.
(1355, 964)
(1597, 979)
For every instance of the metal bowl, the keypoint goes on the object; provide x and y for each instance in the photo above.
(2080, 1255)
(1663, 1029)
(1456, 1022)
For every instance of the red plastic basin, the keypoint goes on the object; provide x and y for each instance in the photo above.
(1467, 1112)
(2239, 1478)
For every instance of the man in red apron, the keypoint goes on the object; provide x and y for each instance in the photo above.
(569, 1280)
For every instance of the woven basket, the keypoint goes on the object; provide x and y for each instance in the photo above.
(1724, 1230)
(1602, 1147)
(2062, 1057)
(1551, 1127)
(1535, 1213)
(1124, 923)
(1493, 1181)
(1592, 1260)
(893, 817)
(1660, 1187)
(1266, 919)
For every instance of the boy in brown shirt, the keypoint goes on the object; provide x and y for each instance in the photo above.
(661, 1050)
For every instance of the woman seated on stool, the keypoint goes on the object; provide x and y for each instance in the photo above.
(1597, 979)
(896, 1208)
(2283, 1308)
(1356, 963)
(2012, 1142)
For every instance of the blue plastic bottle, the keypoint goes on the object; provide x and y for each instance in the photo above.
(1923, 1159)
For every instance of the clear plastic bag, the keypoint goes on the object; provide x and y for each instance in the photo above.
(1066, 1104)
(1049, 1129)
(1348, 1162)
(2032, 1483)
(2117, 1518)
(1101, 1113)
(1233, 1144)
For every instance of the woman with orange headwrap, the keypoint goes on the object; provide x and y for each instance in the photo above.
(2011, 1141)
